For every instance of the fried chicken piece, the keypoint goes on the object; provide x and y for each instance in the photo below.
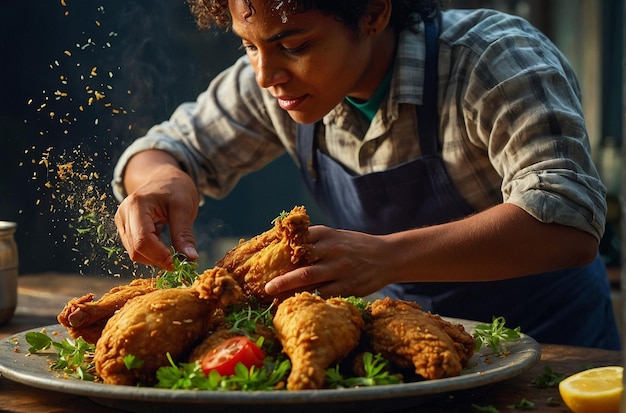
(270, 254)
(163, 321)
(315, 333)
(84, 317)
(408, 337)
(463, 341)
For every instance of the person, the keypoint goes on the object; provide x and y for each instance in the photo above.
(447, 146)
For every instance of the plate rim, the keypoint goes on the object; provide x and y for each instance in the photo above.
(525, 353)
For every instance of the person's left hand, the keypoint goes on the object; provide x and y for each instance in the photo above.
(344, 263)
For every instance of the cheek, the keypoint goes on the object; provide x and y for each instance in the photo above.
(325, 75)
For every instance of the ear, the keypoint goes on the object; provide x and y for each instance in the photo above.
(377, 17)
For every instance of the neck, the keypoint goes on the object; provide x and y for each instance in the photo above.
(383, 54)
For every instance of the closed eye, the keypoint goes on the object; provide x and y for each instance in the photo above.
(295, 50)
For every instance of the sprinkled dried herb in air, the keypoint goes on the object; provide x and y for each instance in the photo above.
(69, 189)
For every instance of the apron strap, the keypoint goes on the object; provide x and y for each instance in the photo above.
(305, 149)
(427, 112)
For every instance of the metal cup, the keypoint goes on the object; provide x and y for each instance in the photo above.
(8, 271)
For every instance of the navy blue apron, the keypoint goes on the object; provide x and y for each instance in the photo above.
(564, 307)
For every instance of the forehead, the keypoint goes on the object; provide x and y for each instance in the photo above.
(248, 10)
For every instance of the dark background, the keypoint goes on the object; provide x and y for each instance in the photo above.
(149, 57)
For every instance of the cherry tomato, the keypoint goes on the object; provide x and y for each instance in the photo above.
(225, 356)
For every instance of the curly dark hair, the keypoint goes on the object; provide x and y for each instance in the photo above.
(210, 13)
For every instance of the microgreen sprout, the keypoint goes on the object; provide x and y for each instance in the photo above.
(184, 274)
(245, 318)
(280, 217)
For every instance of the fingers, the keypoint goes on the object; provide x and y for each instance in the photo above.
(317, 233)
(141, 240)
(168, 198)
(183, 239)
(305, 278)
(310, 278)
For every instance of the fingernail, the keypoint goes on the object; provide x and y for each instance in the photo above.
(191, 252)
(270, 288)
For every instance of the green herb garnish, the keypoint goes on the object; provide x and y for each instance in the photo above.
(492, 335)
(74, 357)
(548, 379)
(280, 217)
(484, 409)
(189, 376)
(184, 274)
(184, 376)
(244, 318)
(358, 302)
(267, 377)
(132, 362)
(93, 223)
(376, 374)
(523, 404)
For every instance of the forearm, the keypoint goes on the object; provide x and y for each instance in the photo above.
(502, 242)
(143, 165)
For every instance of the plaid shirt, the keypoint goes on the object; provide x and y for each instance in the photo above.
(511, 124)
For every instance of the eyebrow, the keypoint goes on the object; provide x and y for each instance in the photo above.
(276, 37)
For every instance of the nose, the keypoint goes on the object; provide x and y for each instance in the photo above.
(269, 72)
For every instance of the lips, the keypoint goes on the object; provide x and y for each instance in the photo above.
(289, 102)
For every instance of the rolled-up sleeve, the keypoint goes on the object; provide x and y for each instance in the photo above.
(546, 164)
(523, 110)
(563, 197)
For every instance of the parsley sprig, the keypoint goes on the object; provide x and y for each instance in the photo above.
(189, 376)
(74, 357)
(493, 335)
(376, 374)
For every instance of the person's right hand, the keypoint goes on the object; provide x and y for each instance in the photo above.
(167, 195)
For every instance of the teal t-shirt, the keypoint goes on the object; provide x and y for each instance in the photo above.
(369, 108)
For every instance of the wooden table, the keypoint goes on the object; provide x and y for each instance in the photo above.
(42, 296)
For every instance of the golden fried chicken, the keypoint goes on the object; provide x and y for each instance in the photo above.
(408, 337)
(163, 321)
(86, 318)
(463, 341)
(315, 333)
(270, 254)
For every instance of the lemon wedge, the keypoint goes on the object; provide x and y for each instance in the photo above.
(594, 390)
